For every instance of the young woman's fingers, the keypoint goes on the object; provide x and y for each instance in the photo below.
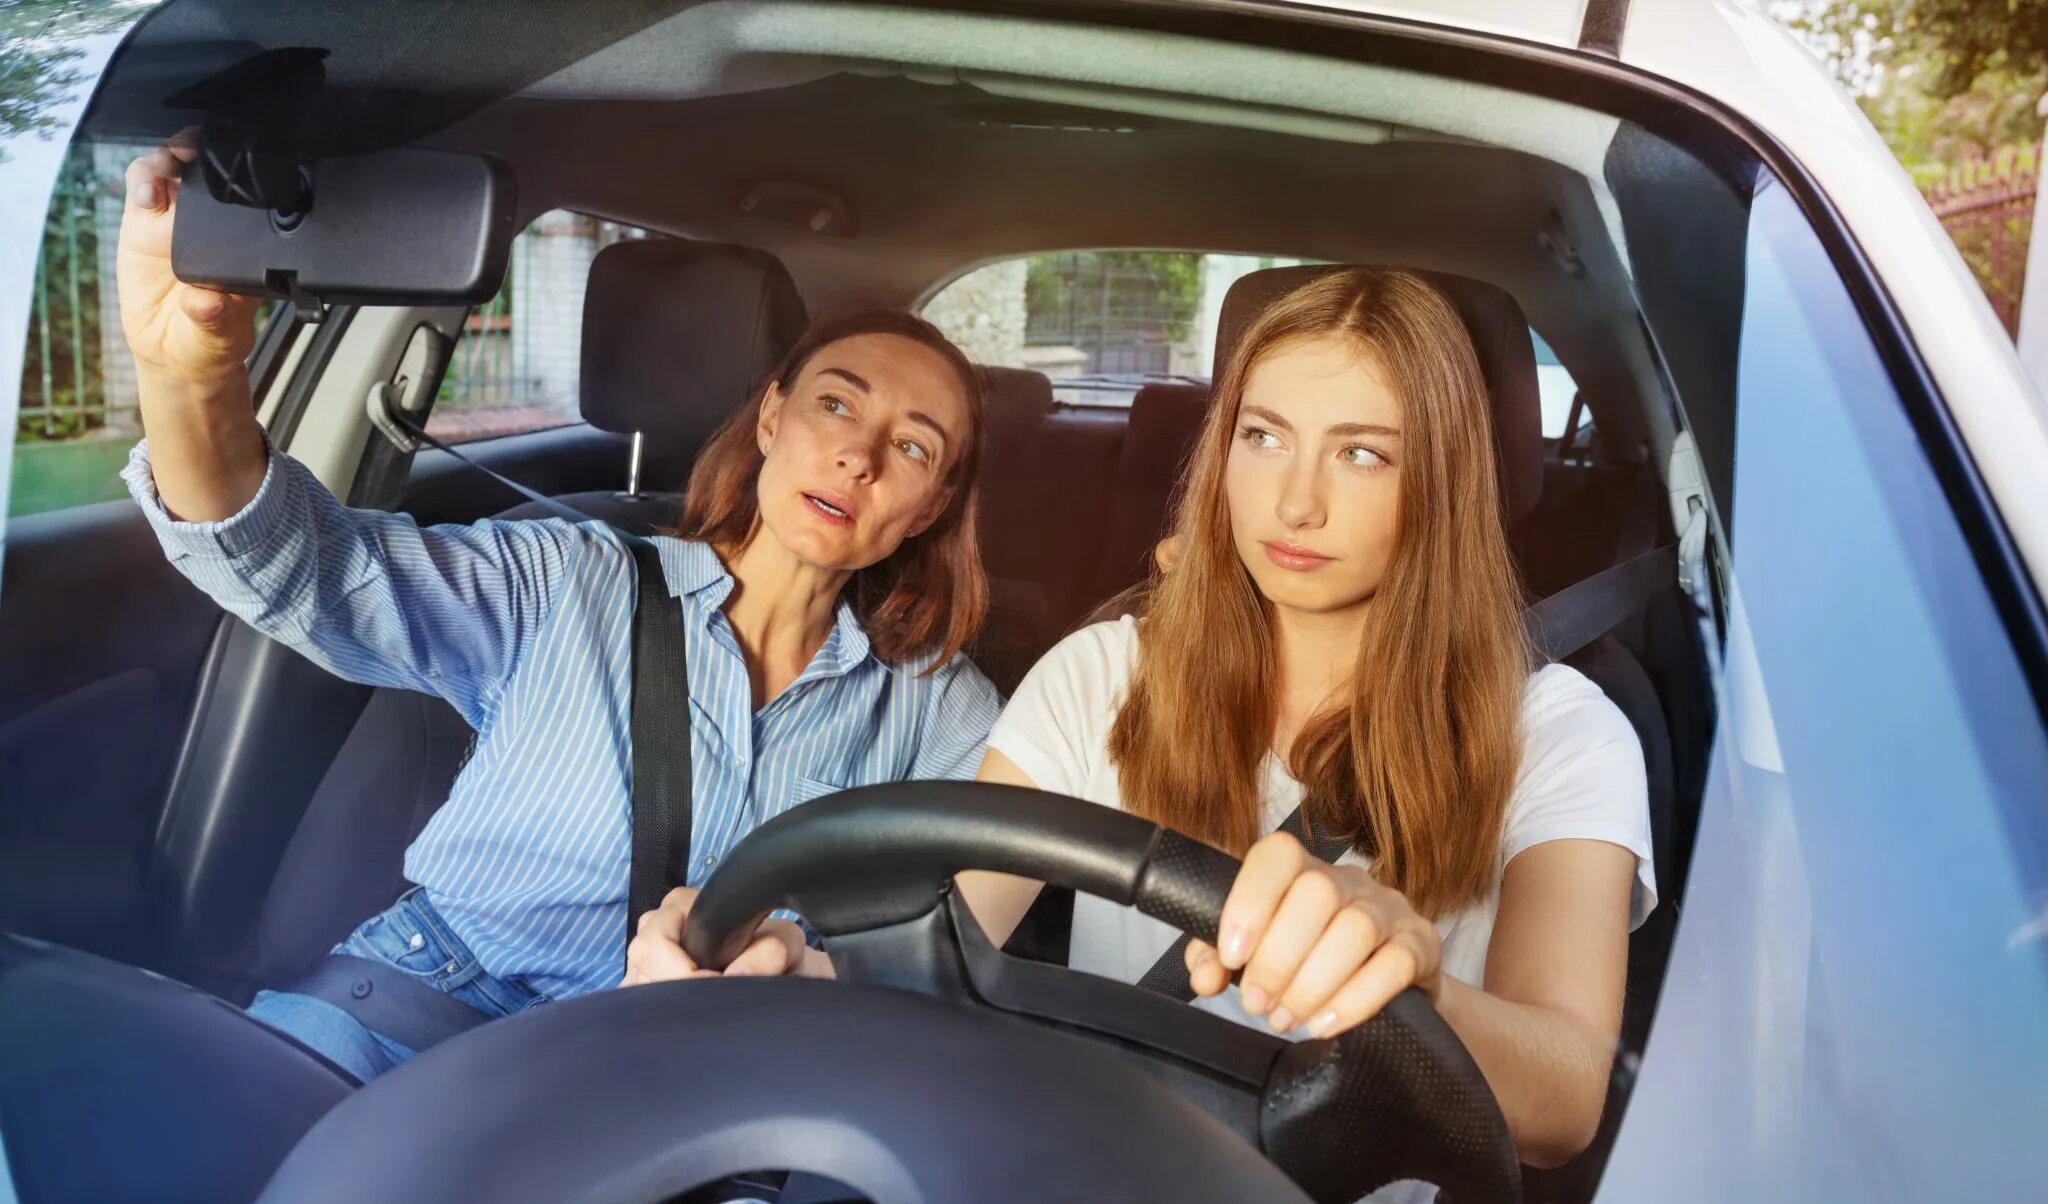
(1269, 869)
(1305, 912)
(1394, 967)
(1349, 940)
(1205, 970)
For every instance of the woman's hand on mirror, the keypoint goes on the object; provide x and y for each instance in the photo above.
(1319, 945)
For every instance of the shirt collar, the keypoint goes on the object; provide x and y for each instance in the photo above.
(692, 569)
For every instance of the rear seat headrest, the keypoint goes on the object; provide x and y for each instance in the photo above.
(1500, 336)
(677, 333)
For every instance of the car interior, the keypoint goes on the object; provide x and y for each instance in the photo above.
(229, 811)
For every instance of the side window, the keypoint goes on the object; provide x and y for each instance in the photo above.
(1557, 388)
(78, 415)
(517, 366)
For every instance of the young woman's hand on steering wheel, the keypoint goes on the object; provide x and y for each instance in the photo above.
(1322, 945)
(656, 954)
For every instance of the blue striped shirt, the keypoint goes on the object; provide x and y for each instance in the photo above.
(526, 628)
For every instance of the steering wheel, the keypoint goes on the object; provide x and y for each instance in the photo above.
(993, 1079)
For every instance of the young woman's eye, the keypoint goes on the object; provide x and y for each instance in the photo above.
(913, 449)
(1258, 436)
(1362, 457)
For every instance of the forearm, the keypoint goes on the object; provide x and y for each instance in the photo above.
(206, 450)
(1548, 1068)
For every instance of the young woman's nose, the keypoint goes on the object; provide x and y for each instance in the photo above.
(1301, 496)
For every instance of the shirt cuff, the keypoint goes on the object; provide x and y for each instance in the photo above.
(242, 532)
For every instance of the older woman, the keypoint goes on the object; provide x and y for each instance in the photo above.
(828, 574)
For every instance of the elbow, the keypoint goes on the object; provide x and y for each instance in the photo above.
(1563, 1126)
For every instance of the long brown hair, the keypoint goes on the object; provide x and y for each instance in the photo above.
(928, 597)
(1413, 761)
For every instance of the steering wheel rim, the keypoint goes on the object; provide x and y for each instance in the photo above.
(871, 870)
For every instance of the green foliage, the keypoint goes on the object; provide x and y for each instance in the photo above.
(1944, 81)
(70, 331)
(1153, 292)
(36, 73)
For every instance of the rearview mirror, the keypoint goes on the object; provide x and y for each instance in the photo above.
(410, 226)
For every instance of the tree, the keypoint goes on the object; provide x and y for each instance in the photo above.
(1943, 80)
(38, 71)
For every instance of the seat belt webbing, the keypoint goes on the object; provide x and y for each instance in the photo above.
(661, 740)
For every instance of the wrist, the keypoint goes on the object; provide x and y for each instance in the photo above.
(228, 383)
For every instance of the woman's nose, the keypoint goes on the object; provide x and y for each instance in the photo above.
(858, 458)
(1301, 498)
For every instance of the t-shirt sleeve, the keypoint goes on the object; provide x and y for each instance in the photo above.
(1582, 779)
(1056, 728)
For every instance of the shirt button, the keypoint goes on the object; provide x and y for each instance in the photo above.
(710, 861)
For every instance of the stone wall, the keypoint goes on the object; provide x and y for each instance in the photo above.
(550, 266)
(983, 312)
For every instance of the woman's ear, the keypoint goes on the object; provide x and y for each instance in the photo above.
(772, 400)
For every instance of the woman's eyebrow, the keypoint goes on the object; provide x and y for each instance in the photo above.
(924, 419)
(1265, 415)
(849, 377)
(1346, 430)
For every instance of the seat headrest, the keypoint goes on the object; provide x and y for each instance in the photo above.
(1500, 337)
(676, 334)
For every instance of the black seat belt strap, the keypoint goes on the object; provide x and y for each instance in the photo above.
(661, 739)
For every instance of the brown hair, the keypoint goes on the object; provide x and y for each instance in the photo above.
(1414, 761)
(927, 598)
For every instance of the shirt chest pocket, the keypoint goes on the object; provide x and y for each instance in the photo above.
(802, 790)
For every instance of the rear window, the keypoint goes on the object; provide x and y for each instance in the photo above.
(1099, 323)
(1102, 324)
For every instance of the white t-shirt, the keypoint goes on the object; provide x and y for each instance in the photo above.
(1581, 778)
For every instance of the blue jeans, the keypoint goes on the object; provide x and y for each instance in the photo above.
(412, 936)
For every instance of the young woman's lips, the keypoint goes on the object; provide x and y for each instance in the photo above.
(833, 508)
(1299, 560)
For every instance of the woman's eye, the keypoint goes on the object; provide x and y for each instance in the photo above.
(913, 449)
(1258, 436)
(832, 405)
(1361, 457)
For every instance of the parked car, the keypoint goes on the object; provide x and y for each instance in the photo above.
(1786, 374)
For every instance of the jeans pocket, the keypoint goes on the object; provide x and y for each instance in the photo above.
(394, 936)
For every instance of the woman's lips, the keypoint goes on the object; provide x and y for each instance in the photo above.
(830, 507)
(1295, 559)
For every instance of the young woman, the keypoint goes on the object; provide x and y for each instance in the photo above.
(828, 571)
(1340, 630)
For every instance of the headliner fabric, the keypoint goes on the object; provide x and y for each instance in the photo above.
(677, 335)
(1500, 337)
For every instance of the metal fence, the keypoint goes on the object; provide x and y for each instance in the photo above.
(1123, 310)
(65, 386)
(1987, 207)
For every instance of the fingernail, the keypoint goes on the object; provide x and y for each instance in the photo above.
(739, 972)
(1321, 1025)
(1282, 1020)
(1254, 1000)
(145, 194)
(1236, 947)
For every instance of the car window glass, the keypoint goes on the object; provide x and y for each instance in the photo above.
(1556, 387)
(1879, 787)
(54, 348)
(1099, 323)
(517, 365)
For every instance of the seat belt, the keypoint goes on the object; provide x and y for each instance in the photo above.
(1558, 626)
(388, 1000)
(661, 706)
